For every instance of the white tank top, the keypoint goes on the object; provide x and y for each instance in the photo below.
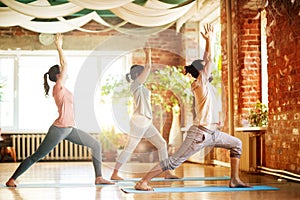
(141, 99)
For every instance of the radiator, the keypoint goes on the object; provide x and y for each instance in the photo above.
(27, 144)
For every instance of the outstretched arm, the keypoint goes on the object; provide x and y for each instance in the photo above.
(208, 36)
(62, 60)
(148, 64)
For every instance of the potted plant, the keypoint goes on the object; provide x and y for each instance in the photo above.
(167, 86)
(258, 115)
(159, 82)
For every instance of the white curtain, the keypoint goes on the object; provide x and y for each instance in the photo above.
(151, 17)
(9, 17)
(100, 4)
(40, 10)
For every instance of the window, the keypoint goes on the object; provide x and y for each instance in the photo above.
(35, 110)
(108, 120)
(7, 91)
(24, 106)
(264, 59)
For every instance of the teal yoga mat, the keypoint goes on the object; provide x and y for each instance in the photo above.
(208, 178)
(200, 189)
(67, 185)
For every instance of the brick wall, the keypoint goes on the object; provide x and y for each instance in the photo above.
(282, 139)
(282, 147)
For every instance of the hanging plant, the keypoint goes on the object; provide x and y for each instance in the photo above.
(258, 116)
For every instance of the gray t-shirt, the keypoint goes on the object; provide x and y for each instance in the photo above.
(141, 99)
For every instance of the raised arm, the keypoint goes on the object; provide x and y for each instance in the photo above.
(148, 64)
(62, 60)
(208, 36)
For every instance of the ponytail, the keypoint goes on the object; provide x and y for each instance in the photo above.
(46, 85)
(128, 77)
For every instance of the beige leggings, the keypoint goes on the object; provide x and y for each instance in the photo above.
(142, 127)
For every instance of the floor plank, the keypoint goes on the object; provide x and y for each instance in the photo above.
(74, 180)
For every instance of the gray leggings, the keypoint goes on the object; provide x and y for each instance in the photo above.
(56, 135)
(198, 139)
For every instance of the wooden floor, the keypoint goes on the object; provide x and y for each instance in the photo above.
(74, 180)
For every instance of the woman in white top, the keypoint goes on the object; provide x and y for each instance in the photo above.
(141, 125)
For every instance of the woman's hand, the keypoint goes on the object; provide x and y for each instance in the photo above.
(208, 34)
(207, 57)
(148, 64)
(63, 63)
(147, 50)
(58, 40)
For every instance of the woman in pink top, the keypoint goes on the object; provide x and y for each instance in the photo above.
(63, 126)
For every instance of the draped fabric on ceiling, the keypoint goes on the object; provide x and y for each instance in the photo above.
(42, 17)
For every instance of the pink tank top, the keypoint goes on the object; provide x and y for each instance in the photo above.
(64, 102)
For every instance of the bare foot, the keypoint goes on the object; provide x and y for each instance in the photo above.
(142, 185)
(170, 175)
(238, 184)
(116, 177)
(101, 180)
(11, 183)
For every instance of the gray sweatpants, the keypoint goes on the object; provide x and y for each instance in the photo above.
(56, 135)
(198, 139)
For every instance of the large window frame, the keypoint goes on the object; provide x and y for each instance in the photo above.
(23, 63)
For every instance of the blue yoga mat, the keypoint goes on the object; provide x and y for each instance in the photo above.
(213, 178)
(52, 185)
(200, 189)
(67, 185)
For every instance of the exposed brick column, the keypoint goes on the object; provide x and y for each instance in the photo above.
(246, 67)
(246, 56)
(249, 64)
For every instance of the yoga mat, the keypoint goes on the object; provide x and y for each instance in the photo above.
(66, 185)
(52, 185)
(200, 189)
(213, 178)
